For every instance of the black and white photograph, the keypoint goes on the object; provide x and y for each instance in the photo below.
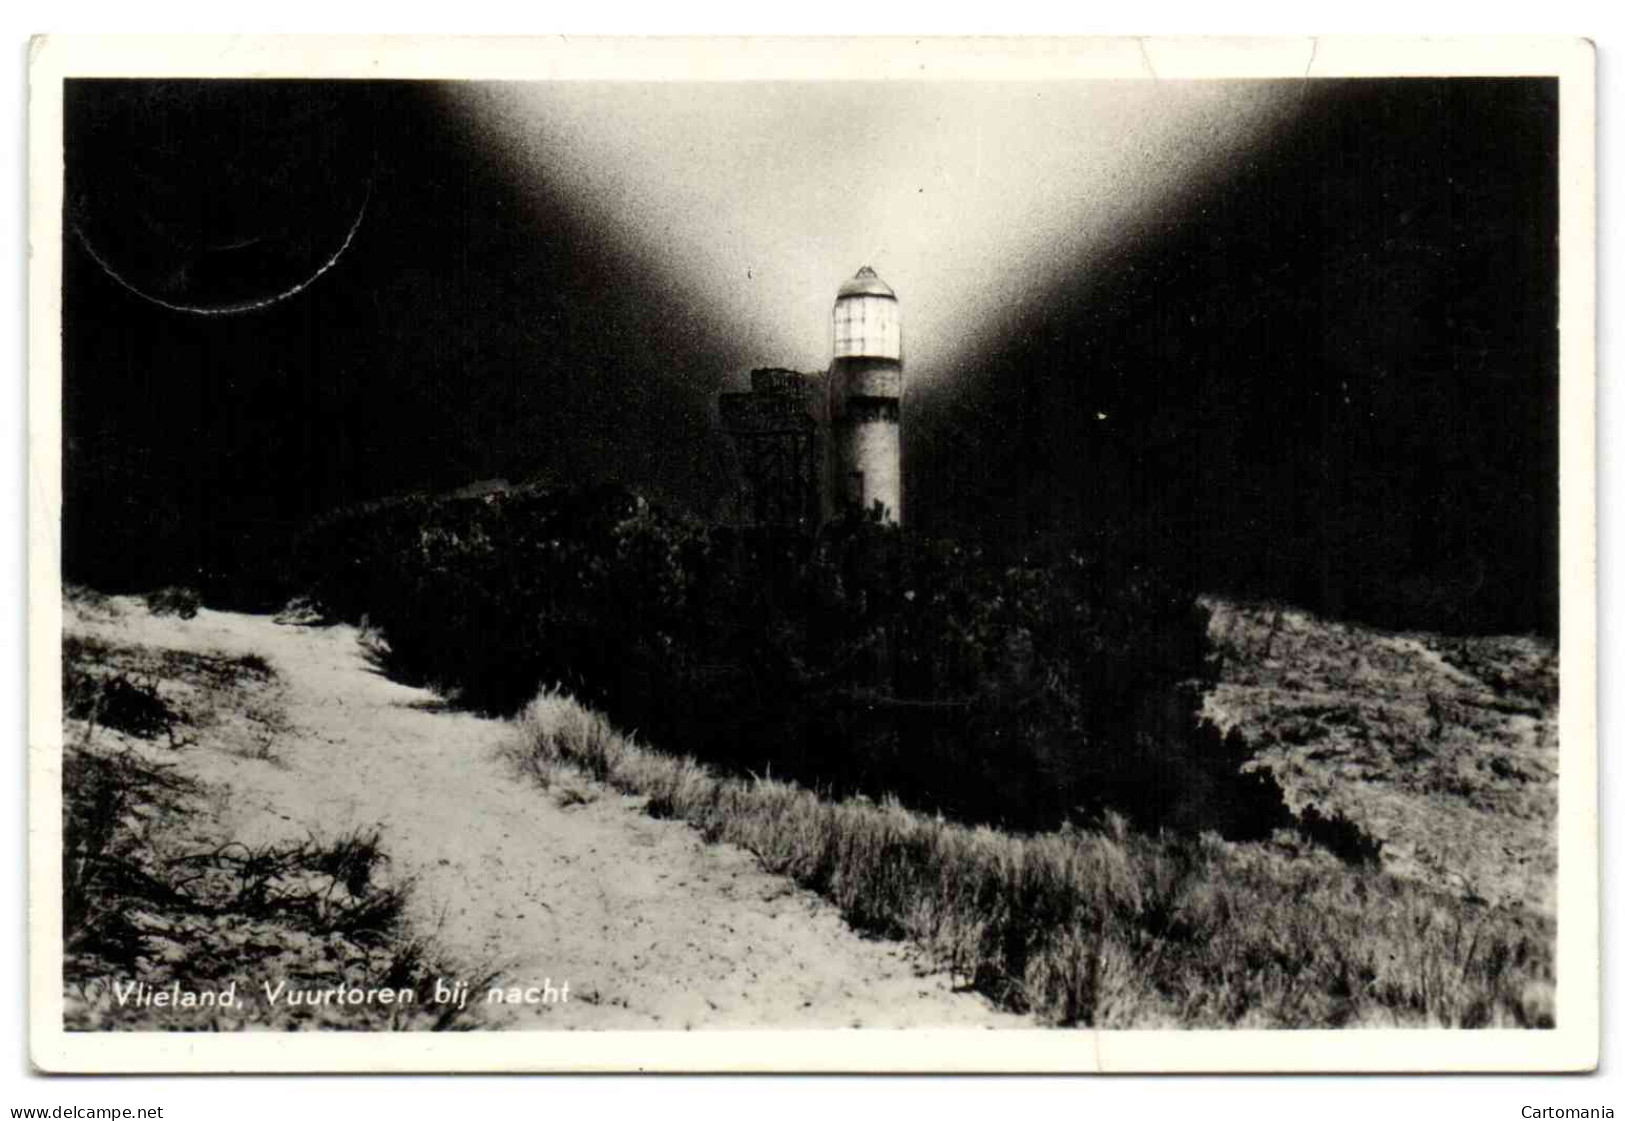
(824, 541)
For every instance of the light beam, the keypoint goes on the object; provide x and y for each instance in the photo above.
(976, 200)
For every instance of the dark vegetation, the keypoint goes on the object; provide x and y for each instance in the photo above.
(1017, 691)
(118, 700)
(152, 891)
(1342, 837)
(175, 599)
(1336, 368)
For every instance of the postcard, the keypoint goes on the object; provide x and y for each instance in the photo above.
(812, 555)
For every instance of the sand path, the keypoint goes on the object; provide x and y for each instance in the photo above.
(649, 926)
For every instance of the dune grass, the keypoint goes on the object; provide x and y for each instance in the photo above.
(1106, 928)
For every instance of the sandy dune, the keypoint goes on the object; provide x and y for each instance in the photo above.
(649, 927)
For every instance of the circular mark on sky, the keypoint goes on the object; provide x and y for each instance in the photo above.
(218, 198)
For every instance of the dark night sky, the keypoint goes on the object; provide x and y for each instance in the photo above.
(1328, 373)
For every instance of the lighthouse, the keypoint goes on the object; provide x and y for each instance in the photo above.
(865, 386)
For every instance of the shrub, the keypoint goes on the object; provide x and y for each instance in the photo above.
(1340, 836)
(324, 887)
(1017, 689)
(152, 890)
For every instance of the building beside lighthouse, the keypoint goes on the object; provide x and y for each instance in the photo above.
(812, 447)
(779, 431)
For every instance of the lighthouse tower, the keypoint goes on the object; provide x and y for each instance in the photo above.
(865, 399)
